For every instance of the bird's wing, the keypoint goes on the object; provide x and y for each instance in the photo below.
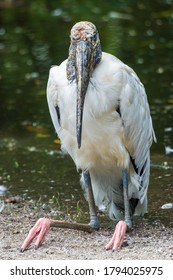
(53, 88)
(52, 92)
(138, 128)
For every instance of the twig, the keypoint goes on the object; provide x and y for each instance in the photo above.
(76, 226)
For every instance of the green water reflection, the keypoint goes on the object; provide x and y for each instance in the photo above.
(35, 35)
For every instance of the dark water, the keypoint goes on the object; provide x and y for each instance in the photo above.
(34, 36)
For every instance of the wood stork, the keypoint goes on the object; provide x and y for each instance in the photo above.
(100, 112)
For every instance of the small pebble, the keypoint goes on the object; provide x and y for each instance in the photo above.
(167, 206)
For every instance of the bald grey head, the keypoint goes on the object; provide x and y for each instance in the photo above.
(84, 54)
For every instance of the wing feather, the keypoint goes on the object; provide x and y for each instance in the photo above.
(52, 99)
(138, 129)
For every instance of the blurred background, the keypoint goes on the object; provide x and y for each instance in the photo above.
(34, 34)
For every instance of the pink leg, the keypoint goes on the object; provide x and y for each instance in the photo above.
(118, 236)
(40, 229)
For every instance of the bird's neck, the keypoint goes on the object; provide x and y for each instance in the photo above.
(97, 54)
(70, 68)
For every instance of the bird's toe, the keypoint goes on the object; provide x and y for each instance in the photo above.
(118, 236)
(40, 230)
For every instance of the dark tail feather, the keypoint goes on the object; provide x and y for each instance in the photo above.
(133, 204)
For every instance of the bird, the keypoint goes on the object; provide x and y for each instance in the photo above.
(101, 114)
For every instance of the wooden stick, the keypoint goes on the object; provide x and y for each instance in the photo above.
(65, 224)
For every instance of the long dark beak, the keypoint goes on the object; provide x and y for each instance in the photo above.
(83, 67)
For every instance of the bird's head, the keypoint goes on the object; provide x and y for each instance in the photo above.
(84, 54)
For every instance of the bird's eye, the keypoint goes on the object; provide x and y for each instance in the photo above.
(94, 36)
(75, 38)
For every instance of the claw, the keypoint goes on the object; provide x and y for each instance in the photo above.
(21, 250)
(118, 236)
(40, 229)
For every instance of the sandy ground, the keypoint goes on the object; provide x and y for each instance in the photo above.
(147, 240)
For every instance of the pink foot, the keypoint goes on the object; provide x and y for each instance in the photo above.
(40, 229)
(118, 236)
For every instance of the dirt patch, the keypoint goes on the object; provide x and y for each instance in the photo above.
(145, 241)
